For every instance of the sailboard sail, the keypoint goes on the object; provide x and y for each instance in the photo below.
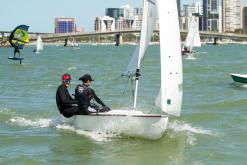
(19, 36)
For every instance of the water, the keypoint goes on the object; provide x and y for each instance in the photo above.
(211, 130)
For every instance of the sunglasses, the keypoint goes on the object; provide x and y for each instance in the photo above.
(66, 81)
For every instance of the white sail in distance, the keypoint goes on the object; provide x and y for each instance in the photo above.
(193, 36)
(39, 44)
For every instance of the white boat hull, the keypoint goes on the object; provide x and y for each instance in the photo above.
(130, 123)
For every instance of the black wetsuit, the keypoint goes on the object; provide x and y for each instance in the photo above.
(84, 95)
(16, 51)
(65, 103)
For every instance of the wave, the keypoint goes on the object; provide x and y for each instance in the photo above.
(61, 123)
(36, 123)
(99, 136)
(180, 127)
(72, 68)
(190, 58)
(5, 111)
(175, 128)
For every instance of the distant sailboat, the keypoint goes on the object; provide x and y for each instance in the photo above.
(73, 44)
(134, 122)
(192, 38)
(39, 45)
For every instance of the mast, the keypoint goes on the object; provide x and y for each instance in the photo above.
(137, 76)
(148, 24)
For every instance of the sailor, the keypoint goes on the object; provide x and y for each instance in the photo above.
(84, 94)
(65, 103)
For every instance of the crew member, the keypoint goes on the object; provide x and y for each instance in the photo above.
(84, 94)
(65, 103)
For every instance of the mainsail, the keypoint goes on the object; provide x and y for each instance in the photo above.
(193, 37)
(170, 95)
(19, 36)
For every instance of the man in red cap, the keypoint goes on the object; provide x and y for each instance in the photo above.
(84, 94)
(65, 103)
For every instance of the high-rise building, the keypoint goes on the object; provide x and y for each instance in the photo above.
(138, 11)
(232, 15)
(64, 25)
(114, 12)
(245, 19)
(126, 17)
(198, 8)
(179, 8)
(212, 15)
(194, 9)
(105, 23)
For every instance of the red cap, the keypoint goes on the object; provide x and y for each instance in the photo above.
(66, 77)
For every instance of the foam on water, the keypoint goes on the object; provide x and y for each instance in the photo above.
(190, 58)
(178, 127)
(6, 111)
(60, 124)
(72, 68)
(36, 123)
(238, 85)
(99, 135)
(202, 52)
(175, 128)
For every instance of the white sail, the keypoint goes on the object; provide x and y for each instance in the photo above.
(39, 44)
(170, 58)
(197, 40)
(148, 24)
(193, 37)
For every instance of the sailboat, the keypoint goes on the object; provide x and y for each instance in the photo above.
(17, 39)
(134, 122)
(192, 38)
(72, 43)
(39, 45)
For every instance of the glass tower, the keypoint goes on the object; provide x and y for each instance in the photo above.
(64, 25)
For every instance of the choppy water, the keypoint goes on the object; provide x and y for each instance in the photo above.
(211, 130)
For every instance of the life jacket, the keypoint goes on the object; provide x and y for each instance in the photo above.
(83, 95)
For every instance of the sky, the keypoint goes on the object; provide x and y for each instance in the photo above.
(40, 14)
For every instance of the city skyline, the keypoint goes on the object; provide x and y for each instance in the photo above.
(40, 16)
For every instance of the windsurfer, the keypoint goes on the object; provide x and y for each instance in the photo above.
(84, 94)
(65, 103)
